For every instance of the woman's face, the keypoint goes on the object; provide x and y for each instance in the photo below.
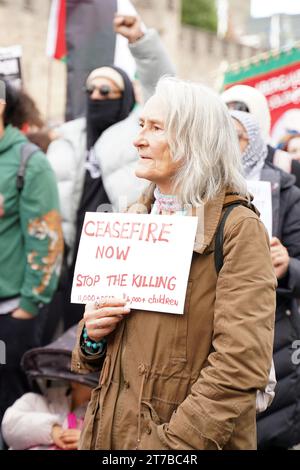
(155, 163)
(294, 148)
(242, 135)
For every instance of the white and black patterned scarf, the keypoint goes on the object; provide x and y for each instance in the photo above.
(255, 153)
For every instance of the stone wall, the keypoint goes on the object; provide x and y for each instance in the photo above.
(204, 57)
(25, 22)
(198, 55)
(164, 16)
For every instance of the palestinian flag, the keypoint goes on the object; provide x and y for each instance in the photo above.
(56, 40)
(82, 31)
(276, 74)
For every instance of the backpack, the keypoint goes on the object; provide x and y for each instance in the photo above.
(27, 150)
(219, 238)
(265, 397)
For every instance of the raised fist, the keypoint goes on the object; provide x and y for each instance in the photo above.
(128, 26)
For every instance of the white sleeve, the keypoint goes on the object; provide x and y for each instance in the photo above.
(61, 156)
(28, 422)
(152, 61)
(265, 397)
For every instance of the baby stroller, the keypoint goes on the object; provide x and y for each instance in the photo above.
(54, 361)
(59, 397)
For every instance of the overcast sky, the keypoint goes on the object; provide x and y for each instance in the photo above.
(260, 8)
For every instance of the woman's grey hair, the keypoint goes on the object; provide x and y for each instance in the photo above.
(200, 131)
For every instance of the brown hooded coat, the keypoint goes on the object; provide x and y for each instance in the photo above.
(189, 381)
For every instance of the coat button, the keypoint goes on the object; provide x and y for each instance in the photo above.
(288, 312)
(126, 384)
(148, 430)
(78, 365)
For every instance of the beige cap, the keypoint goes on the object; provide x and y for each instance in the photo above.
(106, 72)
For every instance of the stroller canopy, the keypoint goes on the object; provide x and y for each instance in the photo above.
(54, 361)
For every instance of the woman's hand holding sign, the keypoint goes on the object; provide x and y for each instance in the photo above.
(101, 318)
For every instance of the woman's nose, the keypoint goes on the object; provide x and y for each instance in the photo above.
(140, 140)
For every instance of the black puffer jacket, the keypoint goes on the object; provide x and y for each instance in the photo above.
(279, 426)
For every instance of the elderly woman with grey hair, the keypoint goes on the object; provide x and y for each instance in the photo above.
(187, 381)
(279, 426)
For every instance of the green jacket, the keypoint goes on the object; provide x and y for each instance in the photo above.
(31, 242)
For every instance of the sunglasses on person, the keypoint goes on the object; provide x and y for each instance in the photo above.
(238, 106)
(104, 90)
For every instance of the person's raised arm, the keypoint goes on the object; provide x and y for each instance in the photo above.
(151, 57)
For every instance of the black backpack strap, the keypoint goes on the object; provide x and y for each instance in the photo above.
(220, 236)
(27, 150)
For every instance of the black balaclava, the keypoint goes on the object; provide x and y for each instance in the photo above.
(102, 114)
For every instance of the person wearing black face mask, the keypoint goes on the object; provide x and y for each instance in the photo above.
(100, 115)
(110, 98)
(94, 158)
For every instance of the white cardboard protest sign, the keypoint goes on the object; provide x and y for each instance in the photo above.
(146, 258)
(262, 193)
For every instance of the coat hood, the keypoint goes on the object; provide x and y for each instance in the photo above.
(256, 103)
(12, 136)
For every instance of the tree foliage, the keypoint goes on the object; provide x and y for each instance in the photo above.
(200, 13)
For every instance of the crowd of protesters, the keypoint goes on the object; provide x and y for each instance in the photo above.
(201, 380)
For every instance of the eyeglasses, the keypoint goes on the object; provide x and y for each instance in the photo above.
(238, 106)
(104, 90)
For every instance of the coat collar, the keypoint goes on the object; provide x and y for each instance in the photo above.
(209, 214)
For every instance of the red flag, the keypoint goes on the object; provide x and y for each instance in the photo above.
(277, 76)
(82, 31)
(56, 41)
